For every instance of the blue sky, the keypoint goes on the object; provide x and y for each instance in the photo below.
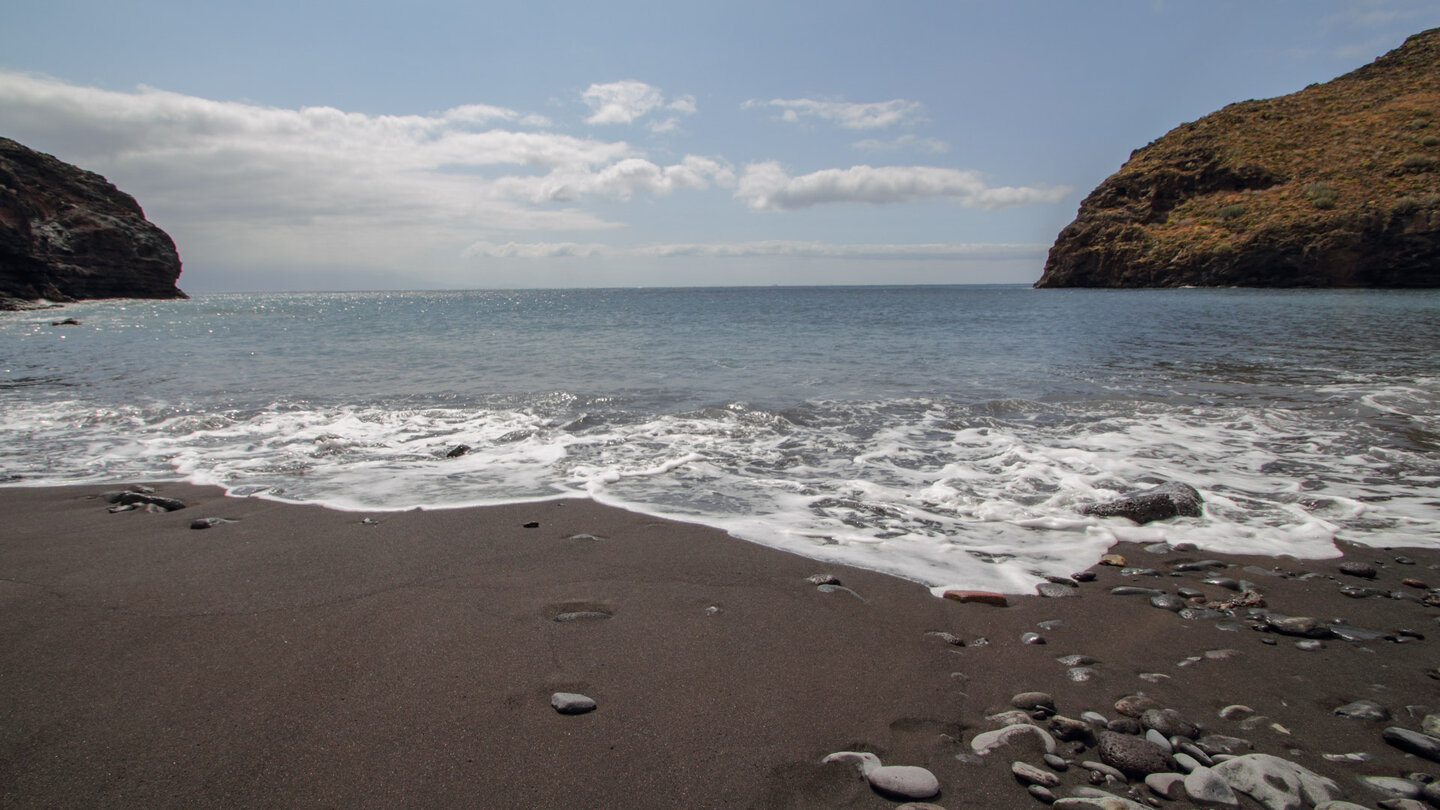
(370, 145)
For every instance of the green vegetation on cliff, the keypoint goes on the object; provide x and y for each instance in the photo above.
(1337, 185)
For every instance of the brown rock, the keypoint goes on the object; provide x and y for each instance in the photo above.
(979, 597)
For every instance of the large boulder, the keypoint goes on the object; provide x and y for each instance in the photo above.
(67, 234)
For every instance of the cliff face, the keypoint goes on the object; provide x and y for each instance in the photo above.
(1337, 185)
(68, 234)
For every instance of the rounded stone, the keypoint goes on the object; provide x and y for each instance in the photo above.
(1133, 756)
(1168, 722)
(572, 703)
(1135, 705)
(1030, 775)
(905, 781)
(1032, 638)
(1051, 590)
(1033, 701)
(1358, 569)
(1166, 601)
(1413, 742)
(1364, 710)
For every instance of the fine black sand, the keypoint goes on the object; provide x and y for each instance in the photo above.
(300, 657)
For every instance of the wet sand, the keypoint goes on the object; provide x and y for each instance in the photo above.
(299, 657)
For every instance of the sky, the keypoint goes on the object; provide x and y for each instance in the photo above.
(469, 145)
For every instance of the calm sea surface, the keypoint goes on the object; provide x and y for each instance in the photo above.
(946, 434)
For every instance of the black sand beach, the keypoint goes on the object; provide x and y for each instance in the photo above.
(299, 657)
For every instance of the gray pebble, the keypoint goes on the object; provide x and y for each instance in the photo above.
(1207, 788)
(1392, 786)
(1032, 638)
(1104, 770)
(1358, 569)
(1217, 744)
(1033, 701)
(1030, 775)
(1160, 740)
(1224, 582)
(1190, 593)
(1051, 590)
(580, 616)
(1068, 729)
(571, 703)
(1158, 548)
(1166, 601)
(1083, 576)
(1193, 613)
(1186, 763)
(1135, 705)
(1165, 785)
(1041, 793)
(1076, 660)
(1201, 565)
(1057, 762)
(1168, 722)
(1364, 710)
(1081, 674)
(1094, 718)
(1413, 742)
(1310, 645)
(1050, 624)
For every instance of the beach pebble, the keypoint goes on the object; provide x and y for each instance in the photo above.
(1166, 601)
(988, 741)
(1051, 590)
(133, 497)
(978, 597)
(1081, 674)
(1189, 749)
(1216, 744)
(1068, 728)
(1358, 569)
(903, 781)
(831, 579)
(1032, 638)
(1224, 582)
(572, 703)
(1190, 593)
(1413, 742)
(1094, 718)
(1186, 763)
(1355, 757)
(1056, 762)
(1304, 626)
(1135, 705)
(1153, 677)
(1310, 644)
(1201, 565)
(1193, 613)
(1010, 718)
(948, 638)
(1205, 787)
(1161, 547)
(1034, 701)
(1083, 576)
(1030, 775)
(1105, 771)
(1107, 802)
(208, 523)
(534, 524)
(1124, 725)
(1411, 582)
(1041, 793)
(1166, 785)
(1276, 783)
(1131, 755)
(1430, 724)
(1364, 710)
(1077, 660)
(1431, 793)
(1392, 786)
(1115, 560)
(1134, 590)
(1160, 740)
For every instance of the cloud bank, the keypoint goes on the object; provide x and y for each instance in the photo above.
(766, 186)
(957, 251)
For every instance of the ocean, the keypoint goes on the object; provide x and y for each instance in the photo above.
(943, 434)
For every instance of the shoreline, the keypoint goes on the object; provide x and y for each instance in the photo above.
(300, 657)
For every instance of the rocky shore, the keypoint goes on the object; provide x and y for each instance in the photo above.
(1332, 186)
(68, 234)
(176, 647)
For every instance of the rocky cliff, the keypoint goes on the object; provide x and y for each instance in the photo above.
(68, 234)
(1337, 185)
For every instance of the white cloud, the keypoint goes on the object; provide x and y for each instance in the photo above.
(872, 115)
(932, 145)
(624, 102)
(767, 186)
(243, 177)
(955, 251)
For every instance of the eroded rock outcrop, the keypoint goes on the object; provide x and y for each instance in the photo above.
(1337, 185)
(68, 234)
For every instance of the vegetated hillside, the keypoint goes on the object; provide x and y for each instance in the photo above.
(1337, 185)
(68, 234)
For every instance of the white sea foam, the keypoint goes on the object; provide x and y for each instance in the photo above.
(939, 492)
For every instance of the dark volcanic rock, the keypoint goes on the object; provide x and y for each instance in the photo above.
(68, 234)
(1332, 186)
(1165, 501)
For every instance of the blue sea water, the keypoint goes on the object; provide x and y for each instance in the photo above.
(945, 434)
